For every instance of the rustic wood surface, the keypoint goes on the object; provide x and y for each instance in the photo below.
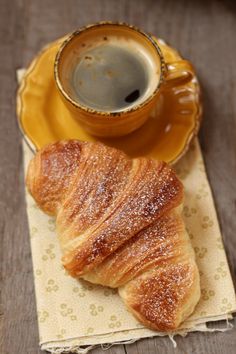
(204, 32)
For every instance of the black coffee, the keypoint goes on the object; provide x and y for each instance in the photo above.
(110, 77)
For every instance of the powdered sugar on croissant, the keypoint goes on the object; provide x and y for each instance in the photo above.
(119, 224)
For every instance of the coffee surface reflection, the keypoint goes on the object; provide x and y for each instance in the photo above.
(110, 77)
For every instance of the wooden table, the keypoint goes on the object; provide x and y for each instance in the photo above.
(204, 32)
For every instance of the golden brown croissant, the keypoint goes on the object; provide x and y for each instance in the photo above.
(119, 225)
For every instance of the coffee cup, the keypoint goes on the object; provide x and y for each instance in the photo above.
(110, 76)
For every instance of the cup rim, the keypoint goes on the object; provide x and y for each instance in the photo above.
(90, 110)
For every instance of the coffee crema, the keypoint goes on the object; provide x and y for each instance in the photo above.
(112, 74)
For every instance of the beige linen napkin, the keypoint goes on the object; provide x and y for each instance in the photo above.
(73, 314)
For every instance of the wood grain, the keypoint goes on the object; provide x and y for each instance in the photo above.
(204, 32)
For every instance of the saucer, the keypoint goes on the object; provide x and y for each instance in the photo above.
(166, 135)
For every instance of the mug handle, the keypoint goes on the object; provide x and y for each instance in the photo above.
(178, 73)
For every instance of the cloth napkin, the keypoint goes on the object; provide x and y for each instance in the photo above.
(76, 315)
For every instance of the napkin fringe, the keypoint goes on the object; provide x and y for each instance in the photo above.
(77, 349)
(229, 326)
(84, 350)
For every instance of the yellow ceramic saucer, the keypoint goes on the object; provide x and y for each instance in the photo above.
(166, 135)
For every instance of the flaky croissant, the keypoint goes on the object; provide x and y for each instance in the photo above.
(119, 224)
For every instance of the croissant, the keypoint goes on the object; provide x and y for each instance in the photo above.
(119, 224)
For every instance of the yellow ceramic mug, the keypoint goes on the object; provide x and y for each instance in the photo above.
(110, 76)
